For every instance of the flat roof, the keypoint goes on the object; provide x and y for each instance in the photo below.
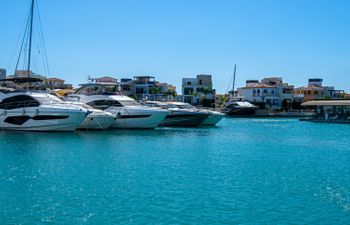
(143, 77)
(327, 103)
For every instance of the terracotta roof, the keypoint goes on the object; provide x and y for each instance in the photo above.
(258, 86)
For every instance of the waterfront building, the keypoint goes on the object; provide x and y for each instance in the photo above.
(2, 74)
(333, 111)
(106, 80)
(271, 93)
(199, 90)
(43, 83)
(315, 90)
(143, 86)
(54, 83)
(147, 88)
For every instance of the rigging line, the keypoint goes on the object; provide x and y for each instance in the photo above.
(41, 34)
(23, 40)
(229, 85)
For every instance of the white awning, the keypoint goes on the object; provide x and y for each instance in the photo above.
(327, 103)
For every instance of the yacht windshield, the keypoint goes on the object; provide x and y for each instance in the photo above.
(49, 100)
(181, 106)
(95, 89)
(129, 102)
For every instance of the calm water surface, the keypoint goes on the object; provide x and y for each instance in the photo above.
(245, 171)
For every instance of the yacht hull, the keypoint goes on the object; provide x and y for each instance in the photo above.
(97, 122)
(213, 119)
(136, 118)
(241, 112)
(41, 120)
(184, 120)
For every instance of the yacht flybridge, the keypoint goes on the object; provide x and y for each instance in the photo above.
(38, 112)
(129, 113)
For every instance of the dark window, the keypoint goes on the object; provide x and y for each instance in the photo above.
(200, 82)
(140, 91)
(188, 83)
(17, 120)
(104, 104)
(200, 90)
(19, 101)
(49, 117)
(188, 91)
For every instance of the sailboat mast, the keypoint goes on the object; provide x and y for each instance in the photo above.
(30, 38)
(234, 81)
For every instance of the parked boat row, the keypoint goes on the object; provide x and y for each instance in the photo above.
(95, 106)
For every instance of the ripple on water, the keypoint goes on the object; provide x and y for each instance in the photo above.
(244, 171)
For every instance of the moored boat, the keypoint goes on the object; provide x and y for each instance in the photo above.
(129, 113)
(239, 107)
(181, 114)
(27, 111)
(97, 119)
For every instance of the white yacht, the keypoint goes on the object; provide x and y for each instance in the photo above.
(97, 119)
(186, 115)
(129, 113)
(27, 111)
(238, 106)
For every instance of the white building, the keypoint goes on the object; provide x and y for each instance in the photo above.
(270, 92)
(2, 74)
(199, 90)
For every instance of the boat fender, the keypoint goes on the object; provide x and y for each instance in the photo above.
(36, 111)
(119, 115)
(23, 112)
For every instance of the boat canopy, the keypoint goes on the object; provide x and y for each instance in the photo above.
(327, 103)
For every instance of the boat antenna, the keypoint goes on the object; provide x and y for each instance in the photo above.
(234, 81)
(30, 40)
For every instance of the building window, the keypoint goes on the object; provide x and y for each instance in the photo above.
(139, 91)
(188, 91)
(200, 90)
(200, 82)
(188, 83)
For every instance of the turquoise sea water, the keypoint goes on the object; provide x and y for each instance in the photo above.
(245, 171)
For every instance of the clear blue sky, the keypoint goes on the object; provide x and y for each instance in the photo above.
(295, 39)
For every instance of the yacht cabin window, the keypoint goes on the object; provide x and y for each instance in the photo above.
(19, 101)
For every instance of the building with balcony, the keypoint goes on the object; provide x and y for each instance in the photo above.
(315, 90)
(199, 90)
(143, 85)
(44, 83)
(105, 79)
(55, 83)
(146, 88)
(269, 93)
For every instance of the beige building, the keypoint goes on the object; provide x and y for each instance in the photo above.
(314, 90)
